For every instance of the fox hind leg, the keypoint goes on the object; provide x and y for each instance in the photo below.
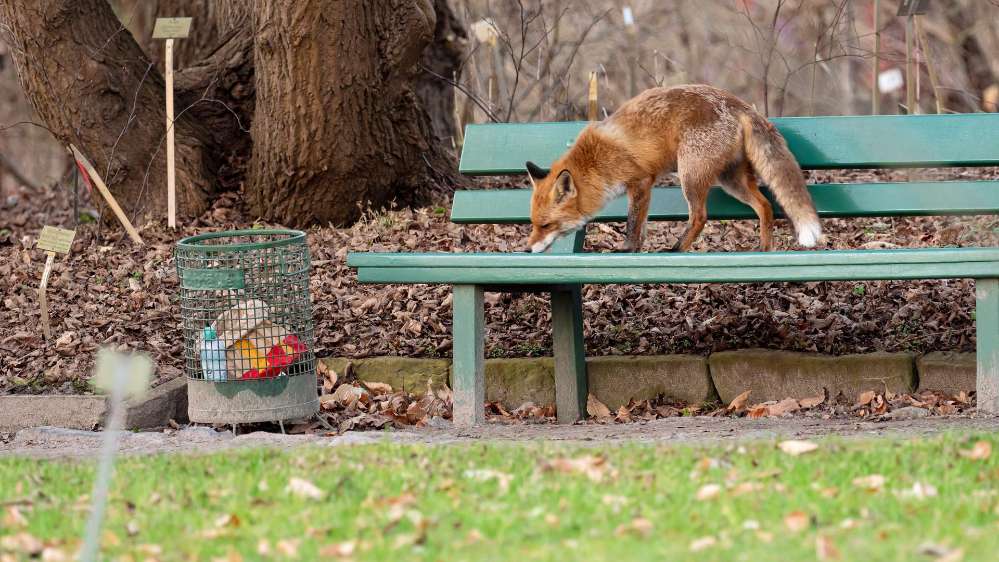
(695, 191)
(740, 182)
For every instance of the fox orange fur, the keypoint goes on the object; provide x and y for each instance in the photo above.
(705, 134)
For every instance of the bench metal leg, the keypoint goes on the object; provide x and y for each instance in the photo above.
(469, 378)
(570, 355)
(987, 328)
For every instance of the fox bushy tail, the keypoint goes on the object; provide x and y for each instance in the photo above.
(770, 157)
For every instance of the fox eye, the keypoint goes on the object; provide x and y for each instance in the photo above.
(546, 226)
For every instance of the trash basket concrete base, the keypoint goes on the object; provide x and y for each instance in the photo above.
(260, 400)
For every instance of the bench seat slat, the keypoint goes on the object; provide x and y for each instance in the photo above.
(518, 268)
(486, 276)
(862, 141)
(510, 206)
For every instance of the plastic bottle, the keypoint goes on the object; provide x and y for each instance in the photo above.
(213, 363)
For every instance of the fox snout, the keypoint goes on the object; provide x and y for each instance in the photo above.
(540, 240)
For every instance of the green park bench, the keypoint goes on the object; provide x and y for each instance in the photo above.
(923, 141)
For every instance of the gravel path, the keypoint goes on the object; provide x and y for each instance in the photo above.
(48, 442)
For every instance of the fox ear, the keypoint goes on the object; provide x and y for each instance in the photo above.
(564, 187)
(535, 172)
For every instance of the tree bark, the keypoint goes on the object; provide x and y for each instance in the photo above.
(441, 59)
(337, 125)
(93, 86)
(973, 56)
(221, 94)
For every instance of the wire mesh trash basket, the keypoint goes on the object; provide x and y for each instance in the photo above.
(247, 321)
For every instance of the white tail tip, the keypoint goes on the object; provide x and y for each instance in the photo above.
(809, 234)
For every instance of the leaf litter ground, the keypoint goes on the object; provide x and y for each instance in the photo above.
(107, 292)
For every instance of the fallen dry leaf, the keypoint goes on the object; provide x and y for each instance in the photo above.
(227, 520)
(22, 543)
(344, 395)
(739, 402)
(795, 448)
(378, 388)
(14, 518)
(981, 451)
(54, 554)
(866, 397)
(785, 406)
(702, 544)
(871, 483)
(746, 488)
(765, 536)
(919, 491)
(812, 401)
(796, 521)
(304, 489)
(623, 415)
(486, 474)
(639, 526)
(825, 549)
(474, 536)
(708, 492)
(593, 467)
(339, 550)
(596, 408)
(288, 547)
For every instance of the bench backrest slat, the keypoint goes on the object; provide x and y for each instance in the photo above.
(879, 141)
(509, 206)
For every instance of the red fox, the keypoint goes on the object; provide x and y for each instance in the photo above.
(703, 133)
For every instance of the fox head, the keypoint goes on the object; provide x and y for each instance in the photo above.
(554, 211)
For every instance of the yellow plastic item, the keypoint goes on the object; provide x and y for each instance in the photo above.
(251, 355)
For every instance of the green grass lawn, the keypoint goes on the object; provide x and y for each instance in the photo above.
(534, 501)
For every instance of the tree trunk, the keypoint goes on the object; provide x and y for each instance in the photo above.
(973, 56)
(441, 59)
(337, 125)
(93, 86)
(220, 92)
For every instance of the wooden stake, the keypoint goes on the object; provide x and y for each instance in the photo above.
(170, 29)
(106, 193)
(876, 90)
(592, 114)
(930, 69)
(910, 68)
(171, 173)
(42, 301)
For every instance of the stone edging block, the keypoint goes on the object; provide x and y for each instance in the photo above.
(774, 375)
(947, 371)
(87, 411)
